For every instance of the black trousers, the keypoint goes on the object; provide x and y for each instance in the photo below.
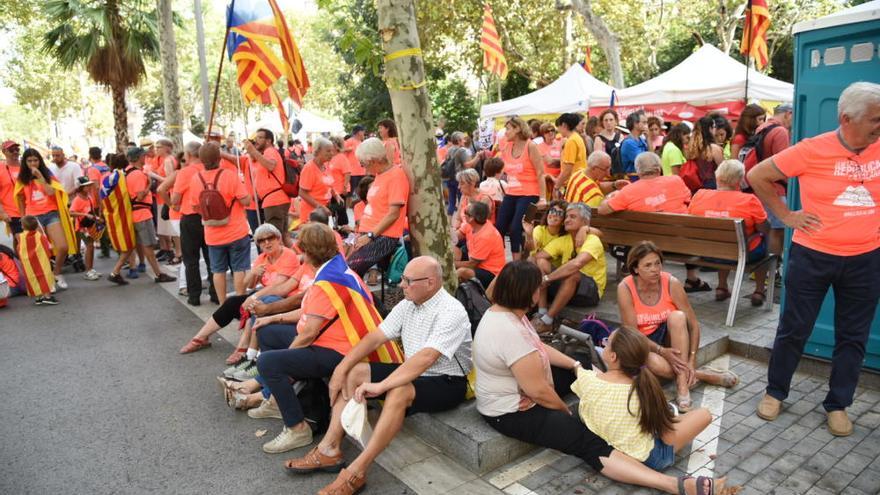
(229, 310)
(809, 275)
(192, 242)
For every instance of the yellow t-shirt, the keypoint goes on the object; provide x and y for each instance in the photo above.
(574, 151)
(605, 409)
(562, 248)
(542, 237)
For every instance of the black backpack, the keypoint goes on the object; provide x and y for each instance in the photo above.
(612, 147)
(447, 168)
(472, 296)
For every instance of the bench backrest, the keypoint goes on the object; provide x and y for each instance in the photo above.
(722, 238)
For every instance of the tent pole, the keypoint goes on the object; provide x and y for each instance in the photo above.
(748, 32)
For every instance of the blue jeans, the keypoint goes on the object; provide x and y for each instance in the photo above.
(454, 194)
(235, 256)
(278, 367)
(510, 216)
(808, 277)
(266, 300)
(276, 336)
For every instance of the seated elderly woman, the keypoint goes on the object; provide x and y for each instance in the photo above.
(271, 270)
(729, 202)
(654, 302)
(520, 379)
(468, 185)
(483, 256)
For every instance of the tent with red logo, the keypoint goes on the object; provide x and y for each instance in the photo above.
(705, 82)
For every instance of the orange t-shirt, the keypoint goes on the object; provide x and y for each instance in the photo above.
(730, 204)
(318, 183)
(840, 187)
(9, 268)
(357, 170)
(36, 201)
(392, 148)
(269, 188)
(358, 211)
(81, 205)
(305, 274)
(285, 265)
(8, 175)
(338, 167)
(182, 186)
(466, 201)
(442, 151)
(244, 175)
(648, 318)
(316, 304)
(667, 194)
(231, 189)
(390, 188)
(137, 181)
(552, 152)
(487, 246)
(522, 178)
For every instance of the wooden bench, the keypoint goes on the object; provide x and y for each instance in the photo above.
(689, 239)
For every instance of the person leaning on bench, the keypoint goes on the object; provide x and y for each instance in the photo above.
(435, 331)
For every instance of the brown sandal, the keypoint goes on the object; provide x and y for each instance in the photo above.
(722, 294)
(757, 298)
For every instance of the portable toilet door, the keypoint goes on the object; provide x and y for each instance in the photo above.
(831, 53)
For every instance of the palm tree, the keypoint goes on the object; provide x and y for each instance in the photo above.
(112, 38)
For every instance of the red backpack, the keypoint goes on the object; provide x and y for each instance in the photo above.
(212, 206)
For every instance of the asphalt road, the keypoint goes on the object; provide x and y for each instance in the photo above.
(98, 400)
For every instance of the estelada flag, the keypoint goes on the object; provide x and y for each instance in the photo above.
(117, 212)
(754, 38)
(355, 307)
(36, 255)
(62, 200)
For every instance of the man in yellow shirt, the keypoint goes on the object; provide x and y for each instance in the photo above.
(580, 273)
(574, 152)
(586, 186)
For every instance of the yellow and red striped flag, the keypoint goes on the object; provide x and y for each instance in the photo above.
(116, 205)
(490, 42)
(35, 255)
(754, 38)
(294, 70)
(588, 60)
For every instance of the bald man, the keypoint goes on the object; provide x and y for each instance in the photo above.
(435, 332)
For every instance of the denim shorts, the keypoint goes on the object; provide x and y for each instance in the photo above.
(47, 219)
(661, 457)
(235, 256)
(658, 336)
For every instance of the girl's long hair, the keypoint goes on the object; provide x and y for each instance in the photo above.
(748, 119)
(24, 175)
(655, 417)
(702, 139)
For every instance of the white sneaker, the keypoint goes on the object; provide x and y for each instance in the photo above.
(266, 409)
(289, 439)
(60, 282)
(92, 275)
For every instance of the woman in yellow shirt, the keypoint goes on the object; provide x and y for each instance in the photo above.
(538, 236)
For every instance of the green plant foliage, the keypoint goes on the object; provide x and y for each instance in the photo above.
(451, 100)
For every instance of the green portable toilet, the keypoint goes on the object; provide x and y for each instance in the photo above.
(831, 53)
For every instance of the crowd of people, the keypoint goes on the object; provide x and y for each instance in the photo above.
(520, 216)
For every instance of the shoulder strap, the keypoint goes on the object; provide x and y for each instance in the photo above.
(326, 326)
(204, 184)
(217, 178)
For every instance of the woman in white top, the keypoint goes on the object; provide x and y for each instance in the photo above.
(517, 378)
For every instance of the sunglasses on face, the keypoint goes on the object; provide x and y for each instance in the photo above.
(556, 212)
(265, 239)
(410, 281)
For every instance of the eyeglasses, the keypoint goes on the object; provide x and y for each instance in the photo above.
(410, 281)
(556, 212)
(265, 239)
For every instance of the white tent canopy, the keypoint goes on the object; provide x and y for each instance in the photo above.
(707, 76)
(570, 93)
(312, 123)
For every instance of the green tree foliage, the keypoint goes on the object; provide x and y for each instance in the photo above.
(451, 100)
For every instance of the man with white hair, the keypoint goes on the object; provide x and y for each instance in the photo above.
(384, 217)
(315, 181)
(653, 192)
(588, 185)
(836, 244)
(64, 170)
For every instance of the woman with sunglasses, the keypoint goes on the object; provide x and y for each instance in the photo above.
(550, 227)
(272, 268)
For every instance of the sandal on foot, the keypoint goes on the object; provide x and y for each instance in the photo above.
(722, 294)
(757, 298)
(728, 378)
(196, 344)
(684, 403)
(696, 286)
(236, 356)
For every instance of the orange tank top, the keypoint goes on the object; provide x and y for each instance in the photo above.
(648, 318)
(522, 178)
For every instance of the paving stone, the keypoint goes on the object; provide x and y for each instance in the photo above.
(765, 484)
(820, 463)
(563, 482)
(801, 407)
(822, 435)
(746, 447)
(815, 490)
(795, 432)
(869, 420)
(868, 395)
(539, 478)
(858, 408)
(867, 481)
(807, 447)
(801, 480)
(788, 463)
(835, 481)
(812, 419)
(756, 463)
(767, 432)
(736, 433)
(566, 463)
(854, 463)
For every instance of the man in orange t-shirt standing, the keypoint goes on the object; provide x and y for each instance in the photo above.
(141, 213)
(836, 244)
(8, 174)
(357, 170)
(268, 169)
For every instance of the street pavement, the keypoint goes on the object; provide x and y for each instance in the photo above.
(99, 402)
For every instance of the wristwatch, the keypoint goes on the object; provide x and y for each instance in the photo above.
(577, 364)
(546, 279)
(371, 235)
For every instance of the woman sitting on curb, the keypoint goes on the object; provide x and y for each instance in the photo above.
(655, 302)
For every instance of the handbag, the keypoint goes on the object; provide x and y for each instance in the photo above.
(690, 174)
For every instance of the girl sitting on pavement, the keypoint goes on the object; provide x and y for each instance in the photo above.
(627, 408)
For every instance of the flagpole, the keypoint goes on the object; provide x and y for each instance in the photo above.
(749, 52)
(220, 67)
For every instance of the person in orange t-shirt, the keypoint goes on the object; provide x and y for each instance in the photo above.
(229, 244)
(729, 202)
(89, 224)
(315, 182)
(141, 213)
(8, 174)
(388, 133)
(653, 192)
(382, 225)
(485, 247)
(267, 168)
(355, 167)
(836, 245)
(321, 343)
(340, 170)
